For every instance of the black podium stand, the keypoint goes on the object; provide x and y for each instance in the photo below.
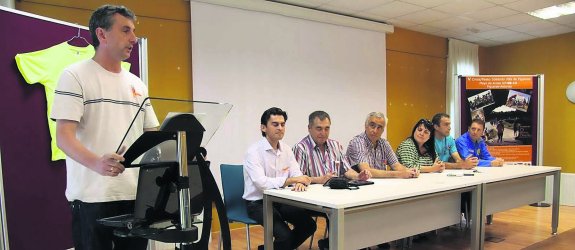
(184, 186)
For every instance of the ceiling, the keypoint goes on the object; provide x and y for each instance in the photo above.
(483, 22)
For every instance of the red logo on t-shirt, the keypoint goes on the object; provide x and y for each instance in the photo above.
(135, 93)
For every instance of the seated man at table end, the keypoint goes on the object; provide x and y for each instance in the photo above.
(369, 151)
(269, 164)
(471, 144)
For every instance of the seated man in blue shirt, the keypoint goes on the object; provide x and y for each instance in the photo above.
(471, 144)
(445, 145)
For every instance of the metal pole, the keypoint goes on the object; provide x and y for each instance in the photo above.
(3, 227)
(185, 215)
(143, 59)
(540, 106)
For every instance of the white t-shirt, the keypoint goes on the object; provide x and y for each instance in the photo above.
(104, 103)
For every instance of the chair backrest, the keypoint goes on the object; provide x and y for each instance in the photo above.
(233, 188)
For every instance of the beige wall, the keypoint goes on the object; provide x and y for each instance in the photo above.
(554, 57)
(416, 62)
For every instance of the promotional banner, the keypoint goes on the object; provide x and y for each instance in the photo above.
(509, 106)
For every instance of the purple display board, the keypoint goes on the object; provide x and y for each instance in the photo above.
(509, 106)
(37, 212)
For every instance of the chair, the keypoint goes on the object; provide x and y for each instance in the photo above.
(490, 219)
(233, 188)
(315, 216)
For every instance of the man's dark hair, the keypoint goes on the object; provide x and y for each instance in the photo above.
(437, 118)
(321, 115)
(478, 121)
(268, 114)
(103, 18)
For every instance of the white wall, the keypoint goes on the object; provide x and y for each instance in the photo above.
(567, 190)
(257, 60)
(8, 3)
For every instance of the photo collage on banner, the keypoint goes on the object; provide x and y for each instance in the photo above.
(507, 105)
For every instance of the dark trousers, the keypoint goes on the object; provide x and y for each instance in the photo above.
(466, 202)
(284, 237)
(90, 235)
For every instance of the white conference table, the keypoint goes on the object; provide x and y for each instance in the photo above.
(392, 209)
(514, 186)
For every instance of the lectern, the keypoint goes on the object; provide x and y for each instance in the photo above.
(175, 183)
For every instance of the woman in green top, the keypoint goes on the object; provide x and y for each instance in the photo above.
(418, 150)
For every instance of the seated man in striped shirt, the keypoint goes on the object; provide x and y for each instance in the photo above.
(369, 151)
(320, 157)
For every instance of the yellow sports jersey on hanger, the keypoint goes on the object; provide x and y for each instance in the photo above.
(44, 67)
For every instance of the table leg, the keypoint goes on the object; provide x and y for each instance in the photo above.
(336, 229)
(556, 192)
(268, 223)
(477, 217)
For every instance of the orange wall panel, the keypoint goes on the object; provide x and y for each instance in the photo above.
(552, 57)
(416, 65)
(166, 24)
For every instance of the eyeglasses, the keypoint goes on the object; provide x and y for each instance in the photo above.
(425, 122)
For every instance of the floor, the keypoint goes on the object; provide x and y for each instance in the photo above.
(521, 228)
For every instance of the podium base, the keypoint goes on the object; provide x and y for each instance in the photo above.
(540, 204)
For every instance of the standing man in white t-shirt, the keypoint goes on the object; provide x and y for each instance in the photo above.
(94, 104)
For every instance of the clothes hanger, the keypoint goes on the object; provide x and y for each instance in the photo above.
(78, 36)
